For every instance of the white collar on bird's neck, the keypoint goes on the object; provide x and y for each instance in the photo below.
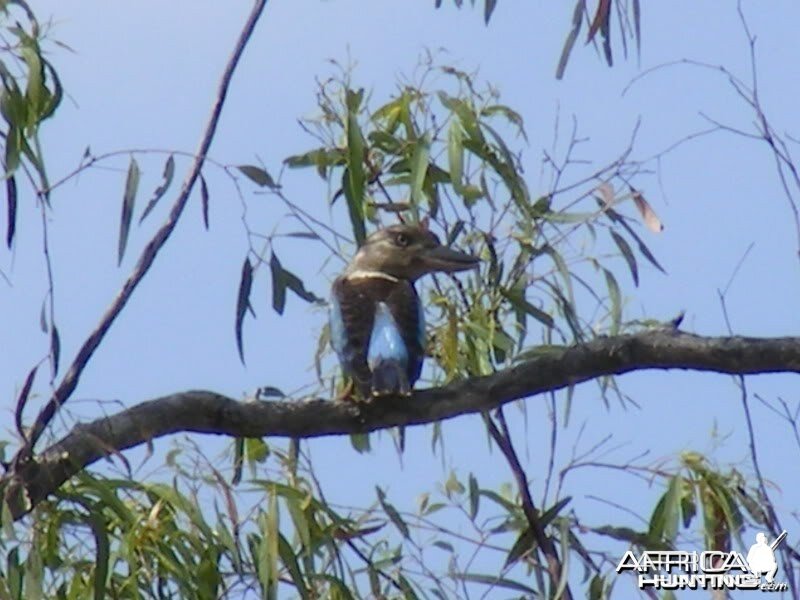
(360, 274)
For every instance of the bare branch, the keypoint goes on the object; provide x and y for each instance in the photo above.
(27, 483)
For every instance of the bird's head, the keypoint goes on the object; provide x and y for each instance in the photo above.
(408, 252)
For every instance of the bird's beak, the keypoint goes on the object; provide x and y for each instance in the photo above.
(447, 260)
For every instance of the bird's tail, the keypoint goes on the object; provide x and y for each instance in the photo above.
(389, 378)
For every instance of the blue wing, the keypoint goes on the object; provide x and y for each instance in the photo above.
(387, 355)
(338, 334)
(386, 341)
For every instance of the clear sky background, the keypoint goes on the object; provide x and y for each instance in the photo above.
(143, 75)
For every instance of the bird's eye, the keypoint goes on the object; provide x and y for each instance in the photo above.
(401, 239)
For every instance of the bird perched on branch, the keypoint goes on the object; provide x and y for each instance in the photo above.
(377, 321)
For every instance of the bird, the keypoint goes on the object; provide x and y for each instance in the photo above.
(377, 321)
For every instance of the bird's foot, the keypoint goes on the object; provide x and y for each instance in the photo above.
(347, 393)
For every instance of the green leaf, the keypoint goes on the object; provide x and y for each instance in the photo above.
(238, 460)
(242, 303)
(385, 141)
(316, 157)
(665, 517)
(255, 450)
(597, 588)
(563, 270)
(520, 303)
(258, 176)
(35, 92)
(512, 116)
(627, 254)
(13, 149)
(360, 442)
(455, 156)
(103, 547)
(169, 173)
(465, 114)
(392, 513)
(495, 581)
(631, 536)
(289, 560)
(551, 513)
(271, 540)
(419, 168)
(523, 544)
(453, 485)
(128, 199)
(354, 177)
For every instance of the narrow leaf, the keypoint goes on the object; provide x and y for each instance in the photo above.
(238, 460)
(627, 254)
(43, 317)
(551, 513)
(524, 543)
(258, 176)
(520, 303)
(354, 177)
(569, 43)
(455, 155)
(289, 559)
(488, 9)
(11, 196)
(617, 218)
(22, 400)
(419, 168)
(283, 280)
(243, 302)
(101, 559)
(601, 17)
(128, 199)
(474, 496)
(169, 173)
(392, 513)
(495, 581)
(665, 517)
(204, 200)
(55, 348)
(278, 284)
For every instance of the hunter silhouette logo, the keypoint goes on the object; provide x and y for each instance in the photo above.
(761, 558)
(709, 570)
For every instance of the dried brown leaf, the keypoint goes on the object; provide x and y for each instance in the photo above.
(649, 216)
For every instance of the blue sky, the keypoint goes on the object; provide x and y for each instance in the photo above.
(143, 76)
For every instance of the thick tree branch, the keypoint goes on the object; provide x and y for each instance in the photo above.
(28, 483)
